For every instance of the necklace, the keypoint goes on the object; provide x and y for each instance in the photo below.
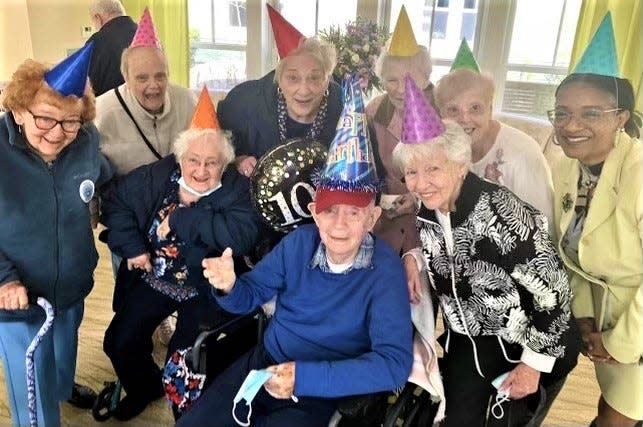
(316, 127)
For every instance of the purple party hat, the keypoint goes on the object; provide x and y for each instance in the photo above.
(69, 77)
(421, 122)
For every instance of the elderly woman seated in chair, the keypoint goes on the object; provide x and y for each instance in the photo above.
(164, 218)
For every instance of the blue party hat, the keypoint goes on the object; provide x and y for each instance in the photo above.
(70, 76)
(349, 175)
(600, 55)
(352, 92)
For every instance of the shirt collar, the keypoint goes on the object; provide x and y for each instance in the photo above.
(362, 260)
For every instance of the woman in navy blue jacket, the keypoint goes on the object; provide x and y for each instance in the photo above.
(51, 166)
(164, 218)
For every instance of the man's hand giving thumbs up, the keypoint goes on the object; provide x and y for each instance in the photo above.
(220, 271)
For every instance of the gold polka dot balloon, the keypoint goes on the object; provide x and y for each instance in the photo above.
(281, 186)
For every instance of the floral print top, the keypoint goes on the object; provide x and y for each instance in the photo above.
(170, 272)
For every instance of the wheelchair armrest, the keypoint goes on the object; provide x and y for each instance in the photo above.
(226, 328)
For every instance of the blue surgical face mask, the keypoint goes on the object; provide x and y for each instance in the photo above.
(501, 397)
(248, 390)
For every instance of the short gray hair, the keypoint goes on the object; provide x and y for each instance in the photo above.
(455, 143)
(106, 8)
(461, 80)
(421, 61)
(128, 51)
(324, 52)
(226, 149)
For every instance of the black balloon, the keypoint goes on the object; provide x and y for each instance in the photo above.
(281, 186)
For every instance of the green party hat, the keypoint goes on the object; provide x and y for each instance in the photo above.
(464, 58)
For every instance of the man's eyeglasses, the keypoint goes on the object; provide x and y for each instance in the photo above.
(48, 123)
(588, 116)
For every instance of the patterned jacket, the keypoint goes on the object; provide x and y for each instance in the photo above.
(505, 278)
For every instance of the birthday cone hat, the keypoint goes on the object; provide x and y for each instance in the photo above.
(421, 122)
(146, 33)
(352, 92)
(600, 55)
(403, 40)
(349, 176)
(205, 116)
(69, 77)
(464, 58)
(287, 37)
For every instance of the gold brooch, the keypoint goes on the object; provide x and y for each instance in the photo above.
(568, 203)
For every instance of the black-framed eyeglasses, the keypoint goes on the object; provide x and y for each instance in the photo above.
(48, 123)
(588, 116)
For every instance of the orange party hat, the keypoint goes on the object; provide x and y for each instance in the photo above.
(205, 116)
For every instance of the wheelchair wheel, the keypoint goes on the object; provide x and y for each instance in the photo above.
(106, 401)
(408, 408)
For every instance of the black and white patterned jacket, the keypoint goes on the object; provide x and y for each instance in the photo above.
(508, 278)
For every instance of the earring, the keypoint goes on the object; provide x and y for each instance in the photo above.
(621, 130)
(554, 139)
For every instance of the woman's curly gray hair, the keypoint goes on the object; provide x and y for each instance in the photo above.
(226, 149)
(324, 52)
(455, 143)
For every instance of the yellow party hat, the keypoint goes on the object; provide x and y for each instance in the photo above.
(403, 40)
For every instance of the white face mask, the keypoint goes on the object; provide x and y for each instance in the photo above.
(192, 191)
(248, 390)
(501, 397)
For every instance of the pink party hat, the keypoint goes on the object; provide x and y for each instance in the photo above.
(146, 33)
(421, 122)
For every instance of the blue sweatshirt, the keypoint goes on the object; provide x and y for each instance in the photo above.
(348, 333)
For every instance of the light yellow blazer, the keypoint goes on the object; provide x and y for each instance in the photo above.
(608, 283)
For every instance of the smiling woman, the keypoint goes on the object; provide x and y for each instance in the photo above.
(51, 167)
(598, 207)
(163, 219)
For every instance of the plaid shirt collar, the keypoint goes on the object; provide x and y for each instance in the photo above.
(362, 260)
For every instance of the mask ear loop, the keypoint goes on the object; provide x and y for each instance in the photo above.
(501, 398)
(241, 423)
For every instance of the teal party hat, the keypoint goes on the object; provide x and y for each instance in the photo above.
(600, 55)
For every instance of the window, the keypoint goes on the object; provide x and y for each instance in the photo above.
(217, 43)
(536, 65)
(218, 35)
(327, 13)
(237, 13)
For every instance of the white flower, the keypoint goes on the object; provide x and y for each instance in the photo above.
(366, 47)
(355, 58)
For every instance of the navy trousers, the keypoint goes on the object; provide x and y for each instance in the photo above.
(128, 339)
(214, 407)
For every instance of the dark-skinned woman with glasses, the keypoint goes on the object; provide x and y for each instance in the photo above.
(598, 211)
(51, 166)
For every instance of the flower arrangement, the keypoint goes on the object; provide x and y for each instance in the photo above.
(358, 47)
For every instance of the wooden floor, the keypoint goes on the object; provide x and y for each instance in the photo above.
(575, 405)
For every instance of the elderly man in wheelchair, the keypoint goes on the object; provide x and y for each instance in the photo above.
(342, 323)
